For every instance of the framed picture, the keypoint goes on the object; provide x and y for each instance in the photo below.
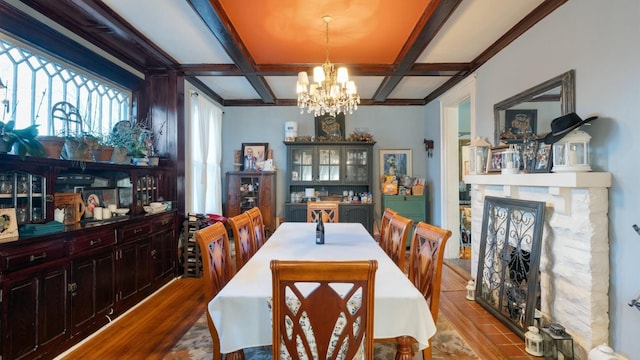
(521, 122)
(494, 158)
(98, 197)
(331, 127)
(543, 159)
(253, 156)
(8, 225)
(395, 162)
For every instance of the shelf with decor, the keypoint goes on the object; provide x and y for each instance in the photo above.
(248, 189)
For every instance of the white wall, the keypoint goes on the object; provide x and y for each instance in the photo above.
(393, 127)
(599, 39)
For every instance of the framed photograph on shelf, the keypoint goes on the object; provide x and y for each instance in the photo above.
(543, 159)
(521, 122)
(395, 162)
(253, 156)
(98, 197)
(330, 127)
(8, 225)
(494, 159)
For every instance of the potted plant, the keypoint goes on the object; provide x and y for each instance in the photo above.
(135, 137)
(25, 140)
(104, 151)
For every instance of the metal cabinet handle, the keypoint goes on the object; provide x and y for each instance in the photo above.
(135, 231)
(96, 242)
(33, 258)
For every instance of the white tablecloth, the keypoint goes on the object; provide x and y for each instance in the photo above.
(240, 310)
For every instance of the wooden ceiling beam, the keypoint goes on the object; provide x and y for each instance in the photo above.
(430, 23)
(220, 26)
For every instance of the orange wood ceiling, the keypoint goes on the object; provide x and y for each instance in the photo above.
(292, 31)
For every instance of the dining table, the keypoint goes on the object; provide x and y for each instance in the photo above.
(241, 312)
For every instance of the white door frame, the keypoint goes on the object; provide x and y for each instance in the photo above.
(449, 174)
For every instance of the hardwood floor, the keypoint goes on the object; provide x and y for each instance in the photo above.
(150, 330)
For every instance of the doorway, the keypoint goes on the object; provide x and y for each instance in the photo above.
(451, 158)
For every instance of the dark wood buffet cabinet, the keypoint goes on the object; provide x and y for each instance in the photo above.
(61, 283)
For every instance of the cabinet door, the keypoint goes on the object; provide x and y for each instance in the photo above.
(329, 164)
(162, 255)
(92, 290)
(362, 214)
(301, 164)
(26, 192)
(35, 306)
(134, 271)
(357, 165)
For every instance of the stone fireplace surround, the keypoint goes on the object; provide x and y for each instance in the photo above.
(574, 263)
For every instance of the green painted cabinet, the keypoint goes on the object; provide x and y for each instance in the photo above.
(413, 207)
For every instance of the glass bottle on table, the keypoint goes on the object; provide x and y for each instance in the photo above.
(320, 230)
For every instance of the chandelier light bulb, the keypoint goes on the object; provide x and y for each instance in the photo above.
(343, 75)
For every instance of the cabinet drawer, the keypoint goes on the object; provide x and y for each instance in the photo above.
(92, 241)
(163, 222)
(31, 255)
(135, 231)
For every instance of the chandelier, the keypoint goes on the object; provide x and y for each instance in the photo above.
(331, 91)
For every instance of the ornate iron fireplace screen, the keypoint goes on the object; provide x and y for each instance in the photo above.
(509, 259)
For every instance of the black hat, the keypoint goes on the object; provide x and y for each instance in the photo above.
(563, 125)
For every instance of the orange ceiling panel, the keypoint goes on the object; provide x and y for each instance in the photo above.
(292, 31)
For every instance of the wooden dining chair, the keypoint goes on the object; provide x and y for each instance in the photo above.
(382, 235)
(217, 269)
(329, 209)
(426, 257)
(243, 238)
(323, 309)
(257, 223)
(399, 228)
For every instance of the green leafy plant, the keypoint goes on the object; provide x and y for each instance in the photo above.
(25, 139)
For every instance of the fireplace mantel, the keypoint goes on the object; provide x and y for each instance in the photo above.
(560, 180)
(574, 263)
(557, 184)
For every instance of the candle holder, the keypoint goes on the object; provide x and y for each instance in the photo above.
(471, 290)
(511, 160)
(478, 152)
(571, 153)
(533, 341)
(557, 344)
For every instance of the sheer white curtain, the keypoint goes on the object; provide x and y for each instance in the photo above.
(204, 154)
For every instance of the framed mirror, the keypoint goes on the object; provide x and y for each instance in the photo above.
(529, 113)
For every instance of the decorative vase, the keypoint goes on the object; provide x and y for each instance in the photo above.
(52, 146)
(103, 153)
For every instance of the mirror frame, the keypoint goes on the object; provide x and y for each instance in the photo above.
(567, 98)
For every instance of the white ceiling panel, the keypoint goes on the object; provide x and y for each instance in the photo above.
(473, 27)
(174, 27)
(417, 87)
(230, 87)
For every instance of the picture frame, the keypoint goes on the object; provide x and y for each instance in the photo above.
(253, 156)
(330, 127)
(521, 122)
(543, 159)
(494, 158)
(8, 225)
(99, 197)
(395, 162)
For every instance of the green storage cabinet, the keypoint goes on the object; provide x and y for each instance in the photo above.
(413, 207)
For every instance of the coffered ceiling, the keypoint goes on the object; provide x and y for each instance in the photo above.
(248, 52)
